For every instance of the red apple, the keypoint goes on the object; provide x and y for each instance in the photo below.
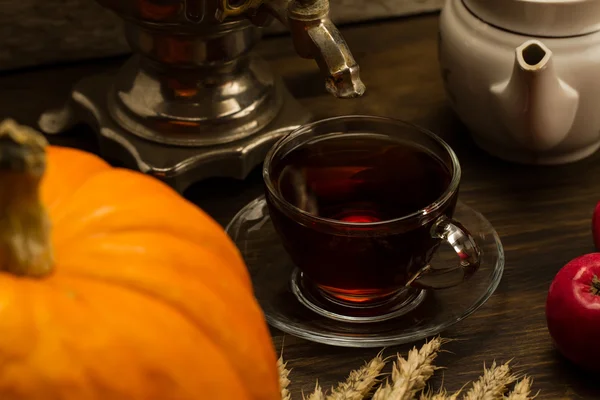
(596, 226)
(573, 311)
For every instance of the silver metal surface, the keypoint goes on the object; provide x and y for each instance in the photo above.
(194, 107)
(316, 37)
(178, 166)
(194, 93)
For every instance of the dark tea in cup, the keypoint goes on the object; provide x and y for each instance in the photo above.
(362, 203)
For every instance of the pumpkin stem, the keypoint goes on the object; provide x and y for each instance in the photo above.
(25, 246)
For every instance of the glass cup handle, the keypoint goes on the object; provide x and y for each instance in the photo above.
(469, 254)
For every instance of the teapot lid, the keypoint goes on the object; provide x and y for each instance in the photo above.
(551, 18)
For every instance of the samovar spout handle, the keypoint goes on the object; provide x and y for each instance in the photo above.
(314, 36)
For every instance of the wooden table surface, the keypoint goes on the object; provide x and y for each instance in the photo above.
(542, 214)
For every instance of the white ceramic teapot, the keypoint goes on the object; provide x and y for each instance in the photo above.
(524, 76)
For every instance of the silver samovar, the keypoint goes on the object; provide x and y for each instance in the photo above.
(194, 101)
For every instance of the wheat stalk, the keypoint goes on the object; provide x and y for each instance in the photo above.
(383, 392)
(521, 391)
(410, 375)
(317, 394)
(360, 382)
(441, 395)
(284, 381)
(492, 384)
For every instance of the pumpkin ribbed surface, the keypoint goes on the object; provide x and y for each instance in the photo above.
(147, 299)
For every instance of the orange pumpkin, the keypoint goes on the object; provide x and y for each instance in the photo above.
(114, 287)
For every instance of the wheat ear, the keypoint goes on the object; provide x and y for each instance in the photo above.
(284, 381)
(492, 384)
(410, 375)
(360, 382)
(522, 390)
(441, 395)
(317, 394)
(383, 392)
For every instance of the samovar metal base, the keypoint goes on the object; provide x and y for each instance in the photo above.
(177, 166)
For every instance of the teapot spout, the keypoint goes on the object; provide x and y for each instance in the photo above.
(537, 107)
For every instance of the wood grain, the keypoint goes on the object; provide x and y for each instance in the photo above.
(543, 214)
(39, 32)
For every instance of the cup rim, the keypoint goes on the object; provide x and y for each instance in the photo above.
(429, 209)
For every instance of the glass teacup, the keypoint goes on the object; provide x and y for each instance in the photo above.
(361, 205)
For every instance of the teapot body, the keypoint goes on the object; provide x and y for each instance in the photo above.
(478, 61)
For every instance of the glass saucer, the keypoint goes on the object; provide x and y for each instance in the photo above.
(275, 280)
